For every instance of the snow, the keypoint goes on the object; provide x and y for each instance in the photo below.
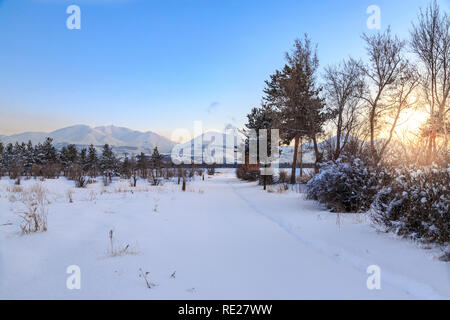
(224, 238)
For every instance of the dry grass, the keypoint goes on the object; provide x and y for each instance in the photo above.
(115, 249)
(34, 199)
(145, 276)
(14, 189)
(281, 188)
(307, 175)
(70, 195)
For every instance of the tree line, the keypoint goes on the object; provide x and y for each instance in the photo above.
(44, 160)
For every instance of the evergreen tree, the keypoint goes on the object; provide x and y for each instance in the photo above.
(8, 158)
(64, 160)
(142, 164)
(108, 162)
(28, 158)
(294, 95)
(72, 153)
(83, 160)
(92, 161)
(126, 168)
(156, 160)
(2, 157)
(49, 153)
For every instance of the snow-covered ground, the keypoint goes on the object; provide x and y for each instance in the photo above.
(222, 239)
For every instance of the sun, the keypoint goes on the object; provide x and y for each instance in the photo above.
(410, 121)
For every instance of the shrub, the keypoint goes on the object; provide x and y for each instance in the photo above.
(347, 185)
(283, 177)
(243, 173)
(36, 170)
(16, 172)
(416, 204)
(76, 174)
(305, 177)
(51, 170)
(212, 169)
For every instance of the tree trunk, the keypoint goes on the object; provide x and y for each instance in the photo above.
(317, 153)
(294, 163)
(301, 157)
(337, 151)
(372, 136)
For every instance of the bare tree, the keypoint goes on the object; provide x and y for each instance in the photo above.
(430, 41)
(344, 86)
(386, 68)
(400, 100)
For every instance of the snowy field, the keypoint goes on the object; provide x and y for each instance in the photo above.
(221, 239)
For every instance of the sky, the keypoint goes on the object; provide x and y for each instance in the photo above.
(161, 65)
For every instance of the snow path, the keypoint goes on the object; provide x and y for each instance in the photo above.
(224, 238)
(408, 285)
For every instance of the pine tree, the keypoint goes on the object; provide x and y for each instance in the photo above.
(72, 153)
(92, 161)
(295, 97)
(83, 160)
(126, 168)
(29, 158)
(108, 162)
(2, 159)
(64, 160)
(49, 153)
(156, 160)
(142, 164)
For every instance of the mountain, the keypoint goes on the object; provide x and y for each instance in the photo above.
(123, 140)
(145, 140)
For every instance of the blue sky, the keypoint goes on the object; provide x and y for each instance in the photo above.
(160, 65)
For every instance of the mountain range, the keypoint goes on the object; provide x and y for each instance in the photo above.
(123, 140)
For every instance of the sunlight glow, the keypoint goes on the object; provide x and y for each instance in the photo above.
(410, 122)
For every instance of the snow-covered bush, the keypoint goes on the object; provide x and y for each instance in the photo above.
(347, 185)
(416, 204)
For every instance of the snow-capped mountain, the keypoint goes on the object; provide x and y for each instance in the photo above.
(122, 139)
